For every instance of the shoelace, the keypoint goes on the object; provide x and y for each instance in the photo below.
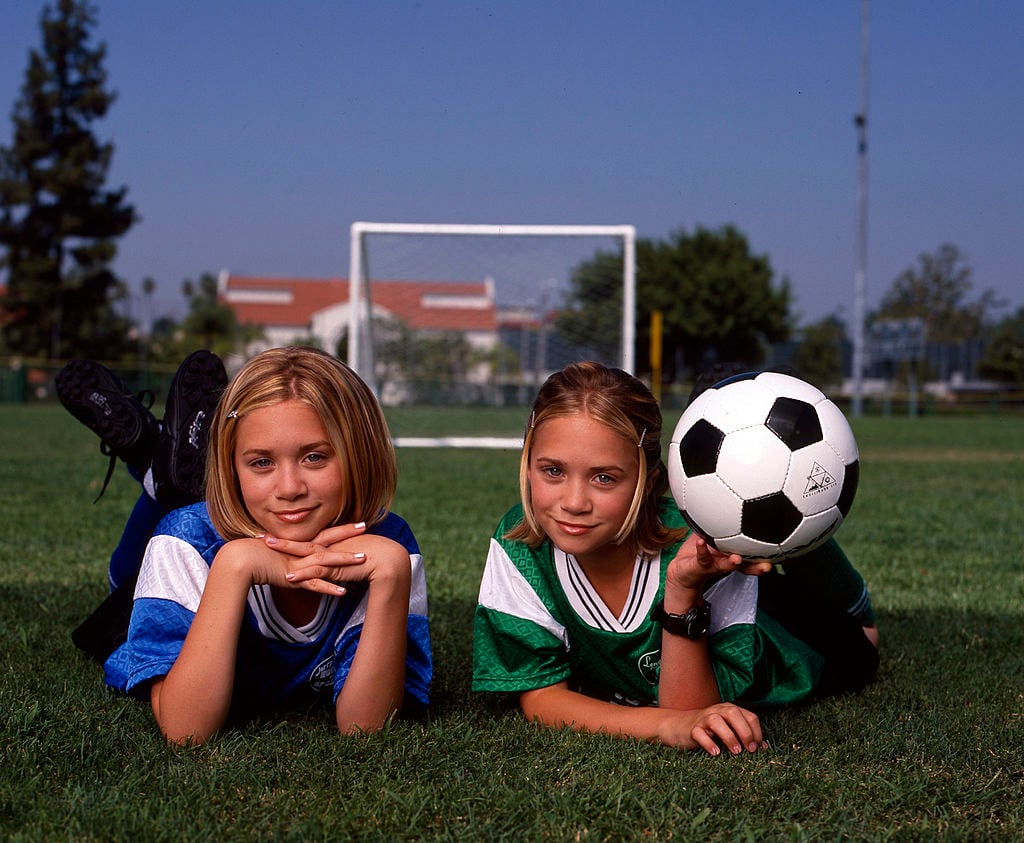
(146, 398)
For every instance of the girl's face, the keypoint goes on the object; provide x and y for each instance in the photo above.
(289, 474)
(582, 479)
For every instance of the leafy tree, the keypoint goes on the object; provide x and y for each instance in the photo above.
(937, 291)
(819, 357)
(591, 316)
(210, 323)
(58, 223)
(1003, 360)
(717, 300)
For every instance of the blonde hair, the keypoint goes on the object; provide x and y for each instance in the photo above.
(625, 405)
(346, 407)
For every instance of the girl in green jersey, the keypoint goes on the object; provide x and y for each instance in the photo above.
(604, 613)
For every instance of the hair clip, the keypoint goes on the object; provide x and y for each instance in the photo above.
(533, 418)
(233, 414)
(640, 444)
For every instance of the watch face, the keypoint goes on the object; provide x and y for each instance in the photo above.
(700, 622)
(692, 624)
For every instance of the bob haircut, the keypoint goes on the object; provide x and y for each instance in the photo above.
(347, 409)
(623, 403)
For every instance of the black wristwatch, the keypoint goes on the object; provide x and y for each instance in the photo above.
(693, 624)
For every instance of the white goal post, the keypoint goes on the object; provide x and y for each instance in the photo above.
(364, 292)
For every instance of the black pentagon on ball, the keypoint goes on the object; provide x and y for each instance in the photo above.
(769, 519)
(850, 478)
(699, 447)
(795, 422)
(700, 531)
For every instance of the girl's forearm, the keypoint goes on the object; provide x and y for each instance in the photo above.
(375, 684)
(686, 680)
(192, 701)
(558, 707)
(712, 728)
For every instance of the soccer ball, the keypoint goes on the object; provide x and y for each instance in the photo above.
(763, 465)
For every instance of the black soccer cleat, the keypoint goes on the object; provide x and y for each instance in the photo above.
(179, 470)
(100, 400)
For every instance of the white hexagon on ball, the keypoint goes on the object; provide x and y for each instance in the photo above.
(815, 478)
(746, 404)
(753, 462)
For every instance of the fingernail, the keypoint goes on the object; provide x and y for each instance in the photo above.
(289, 576)
(340, 589)
(359, 555)
(752, 747)
(360, 525)
(271, 540)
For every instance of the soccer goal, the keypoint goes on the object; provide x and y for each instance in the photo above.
(480, 315)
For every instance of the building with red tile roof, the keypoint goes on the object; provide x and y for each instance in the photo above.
(293, 309)
(299, 310)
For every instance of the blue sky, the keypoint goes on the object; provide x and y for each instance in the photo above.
(252, 134)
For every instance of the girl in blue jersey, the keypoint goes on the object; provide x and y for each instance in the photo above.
(292, 582)
(604, 613)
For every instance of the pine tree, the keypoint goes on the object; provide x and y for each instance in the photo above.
(58, 223)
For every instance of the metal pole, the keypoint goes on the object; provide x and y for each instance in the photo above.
(860, 276)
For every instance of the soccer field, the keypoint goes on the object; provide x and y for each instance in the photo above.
(934, 749)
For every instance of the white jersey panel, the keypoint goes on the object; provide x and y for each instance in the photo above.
(172, 569)
(505, 590)
(733, 601)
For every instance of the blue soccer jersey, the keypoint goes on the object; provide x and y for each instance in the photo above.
(278, 664)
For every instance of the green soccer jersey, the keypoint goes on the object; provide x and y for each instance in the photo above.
(538, 622)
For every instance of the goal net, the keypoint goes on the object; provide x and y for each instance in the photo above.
(479, 315)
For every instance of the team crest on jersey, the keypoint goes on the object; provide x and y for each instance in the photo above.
(322, 677)
(648, 665)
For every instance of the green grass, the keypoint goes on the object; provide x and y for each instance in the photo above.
(933, 750)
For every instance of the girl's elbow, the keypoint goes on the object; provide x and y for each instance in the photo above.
(182, 734)
(185, 739)
(177, 733)
(354, 728)
(365, 725)
(364, 717)
(531, 704)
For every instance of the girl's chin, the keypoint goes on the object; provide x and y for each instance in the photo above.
(300, 535)
(294, 533)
